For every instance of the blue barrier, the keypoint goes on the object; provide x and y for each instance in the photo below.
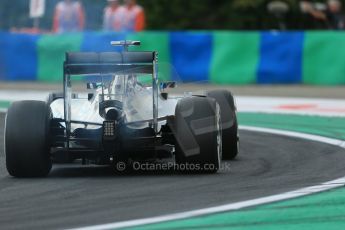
(280, 58)
(271, 57)
(100, 42)
(191, 55)
(18, 57)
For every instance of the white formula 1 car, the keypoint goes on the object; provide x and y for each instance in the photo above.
(125, 114)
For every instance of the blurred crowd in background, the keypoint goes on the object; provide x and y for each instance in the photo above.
(129, 15)
(330, 14)
(69, 16)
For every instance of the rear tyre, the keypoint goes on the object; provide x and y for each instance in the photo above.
(198, 135)
(27, 138)
(230, 136)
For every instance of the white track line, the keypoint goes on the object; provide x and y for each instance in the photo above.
(305, 136)
(244, 204)
(297, 106)
(280, 105)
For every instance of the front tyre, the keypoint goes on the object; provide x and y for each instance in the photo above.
(27, 139)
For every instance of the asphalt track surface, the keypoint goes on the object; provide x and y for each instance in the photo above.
(75, 196)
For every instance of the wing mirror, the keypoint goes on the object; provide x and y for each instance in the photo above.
(167, 85)
(93, 85)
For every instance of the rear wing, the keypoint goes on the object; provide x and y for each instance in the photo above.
(121, 63)
(79, 63)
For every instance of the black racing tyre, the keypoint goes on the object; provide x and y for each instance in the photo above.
(27, 139)
(198, 135)
(230, 137)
